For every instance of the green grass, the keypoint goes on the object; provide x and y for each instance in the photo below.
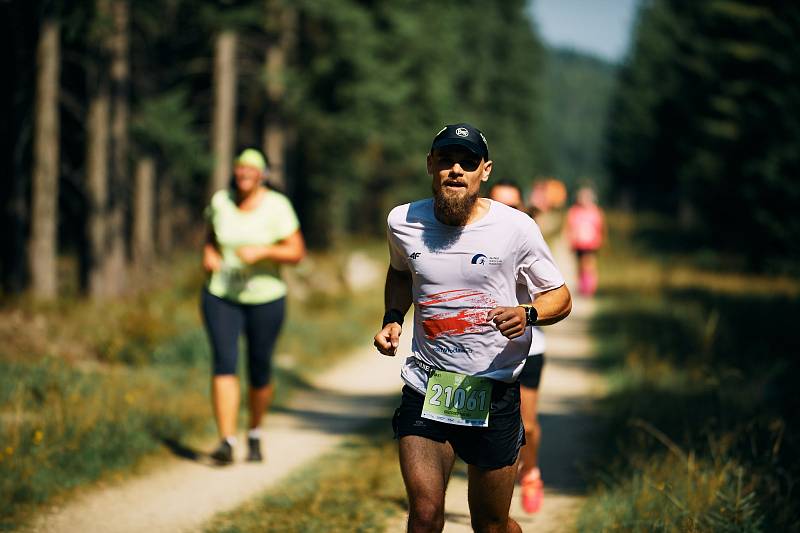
(701, 416)
(355, 488)
(87, 390)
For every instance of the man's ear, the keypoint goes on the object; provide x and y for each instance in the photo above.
(429, 163)
(487, 169)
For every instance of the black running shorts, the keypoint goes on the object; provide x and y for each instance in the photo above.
(226, 320)
(491, 447)
(532, 371)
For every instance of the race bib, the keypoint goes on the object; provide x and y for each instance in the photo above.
(234, 280)
(457, 399)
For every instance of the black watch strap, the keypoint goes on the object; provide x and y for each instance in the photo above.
(531, 314)
(393, 315)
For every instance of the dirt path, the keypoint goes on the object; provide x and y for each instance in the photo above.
(182, 494)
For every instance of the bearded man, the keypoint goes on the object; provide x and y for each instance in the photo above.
(459, 260)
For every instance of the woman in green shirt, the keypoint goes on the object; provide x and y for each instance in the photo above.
(252, 230)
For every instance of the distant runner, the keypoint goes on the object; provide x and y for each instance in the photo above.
(585, 229)
(459, 258)
(530, 478)
(252, 230)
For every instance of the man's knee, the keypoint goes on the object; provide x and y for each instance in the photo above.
(426, 515)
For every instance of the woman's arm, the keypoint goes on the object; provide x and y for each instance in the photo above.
(289, 250)
(212, 259)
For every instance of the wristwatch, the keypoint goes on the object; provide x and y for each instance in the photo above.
(531, 315)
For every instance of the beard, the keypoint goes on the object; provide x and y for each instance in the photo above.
(453, 209)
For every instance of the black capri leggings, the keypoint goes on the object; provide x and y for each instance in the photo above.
(224, 321)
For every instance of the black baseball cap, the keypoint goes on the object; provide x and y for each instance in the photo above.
(464, 135)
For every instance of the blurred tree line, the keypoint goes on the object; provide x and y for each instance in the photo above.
(121, 117)
(576, 91)
(705, 123)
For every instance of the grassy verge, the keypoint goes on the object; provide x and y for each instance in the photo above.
(357, 487)
(701, 415)
(87, 390)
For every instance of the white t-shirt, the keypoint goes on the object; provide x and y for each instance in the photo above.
(460, 273)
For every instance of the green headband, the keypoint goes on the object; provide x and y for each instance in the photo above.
(252, 158)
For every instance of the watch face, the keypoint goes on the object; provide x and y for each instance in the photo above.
(531, 315)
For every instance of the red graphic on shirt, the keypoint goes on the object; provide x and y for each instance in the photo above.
(470, 314)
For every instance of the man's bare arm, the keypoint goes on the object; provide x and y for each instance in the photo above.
(396, 296)
(551, 306)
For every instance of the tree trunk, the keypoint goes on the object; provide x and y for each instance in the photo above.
(97, 150)
(166, 219)
(44, 195)
(281, 21)
(222, 126)
(118, 46)
(143, 212)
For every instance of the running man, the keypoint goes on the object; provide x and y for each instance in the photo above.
(530, 478)
(458, 258)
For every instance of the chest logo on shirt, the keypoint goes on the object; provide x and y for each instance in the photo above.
(464, 311)
(481, 259)
(415, 255)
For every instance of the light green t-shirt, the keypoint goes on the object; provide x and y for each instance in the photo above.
(273, 220)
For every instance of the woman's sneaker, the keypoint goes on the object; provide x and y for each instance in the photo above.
(532, 493)
(223, 454)
(254, 450)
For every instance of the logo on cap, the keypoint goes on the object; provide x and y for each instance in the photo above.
(462, 132)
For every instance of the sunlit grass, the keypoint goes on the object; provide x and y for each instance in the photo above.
(88, 389)
(357, 487)
(701, 415)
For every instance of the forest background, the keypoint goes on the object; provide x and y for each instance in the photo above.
(120, 118)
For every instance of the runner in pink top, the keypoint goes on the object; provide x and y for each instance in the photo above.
(585, 234)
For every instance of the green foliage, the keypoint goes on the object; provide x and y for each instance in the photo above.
(164, 125)
(701, 413)
(366, 115)
(577, 90)
(706, 119)
(65, 426)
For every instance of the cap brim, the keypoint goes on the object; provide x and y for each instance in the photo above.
(466, 143)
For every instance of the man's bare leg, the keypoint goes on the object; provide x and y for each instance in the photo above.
(426, 466)
(490, 494)
(529, 454)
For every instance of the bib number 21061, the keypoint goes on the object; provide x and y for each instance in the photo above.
(458, 399)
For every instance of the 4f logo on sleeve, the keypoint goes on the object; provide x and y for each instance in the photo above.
(415, 255)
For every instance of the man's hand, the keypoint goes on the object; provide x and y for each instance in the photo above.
(510, 321)
(251, 254)
(212, 260)
(388, 339)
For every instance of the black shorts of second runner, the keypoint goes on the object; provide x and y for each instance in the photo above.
(491, 447)
(532, 371)
(580, 252)
(261, 323)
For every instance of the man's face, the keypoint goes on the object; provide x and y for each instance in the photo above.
(457, 172)
(457, 175)
(506, 194)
